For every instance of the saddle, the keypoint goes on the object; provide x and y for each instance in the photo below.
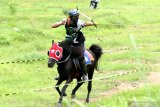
(88, 60)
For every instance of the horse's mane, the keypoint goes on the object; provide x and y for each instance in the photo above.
(66, 50)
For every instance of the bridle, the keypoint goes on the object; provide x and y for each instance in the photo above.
(58, 62)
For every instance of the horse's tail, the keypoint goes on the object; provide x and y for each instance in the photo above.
(97, 50)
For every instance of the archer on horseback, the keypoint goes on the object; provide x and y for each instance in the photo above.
(74, 37)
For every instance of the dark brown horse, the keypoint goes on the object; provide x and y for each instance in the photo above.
(69, 70)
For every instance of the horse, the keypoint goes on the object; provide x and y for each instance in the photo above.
(68, 67)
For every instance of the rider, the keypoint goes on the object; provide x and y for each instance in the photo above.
(75, 37)
(94, 3)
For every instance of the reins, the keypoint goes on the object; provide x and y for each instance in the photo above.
(58, 62)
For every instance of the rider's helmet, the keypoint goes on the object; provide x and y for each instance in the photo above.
(73, 12)
(74, 15)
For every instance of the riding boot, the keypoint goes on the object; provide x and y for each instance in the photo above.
(83, 69)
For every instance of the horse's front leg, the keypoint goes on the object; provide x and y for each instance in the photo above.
(57, 86)
(63, 91)
(79, 83)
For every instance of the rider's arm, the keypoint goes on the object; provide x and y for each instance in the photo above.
(57, 24)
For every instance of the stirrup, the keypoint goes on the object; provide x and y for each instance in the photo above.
(85, 78)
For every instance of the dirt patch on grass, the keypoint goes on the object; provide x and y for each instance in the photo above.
(152, 78)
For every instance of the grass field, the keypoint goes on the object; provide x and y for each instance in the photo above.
(128, 31)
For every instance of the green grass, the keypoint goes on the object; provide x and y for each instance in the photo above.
(127, 29)
(142, 97)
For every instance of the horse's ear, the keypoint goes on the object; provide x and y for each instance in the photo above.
(48, 53)
(52, 42)
(61, 43)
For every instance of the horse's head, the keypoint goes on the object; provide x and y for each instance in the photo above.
(55, 54)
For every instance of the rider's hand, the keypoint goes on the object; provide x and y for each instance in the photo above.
(63, 22)
(94, 24)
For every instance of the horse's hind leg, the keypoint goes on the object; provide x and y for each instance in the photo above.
(63, 91)
(79, 83)
(90, 75)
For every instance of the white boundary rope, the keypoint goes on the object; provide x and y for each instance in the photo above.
(104, 51)
(100, 78)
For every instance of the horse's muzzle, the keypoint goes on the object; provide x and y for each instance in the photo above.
(51, 62)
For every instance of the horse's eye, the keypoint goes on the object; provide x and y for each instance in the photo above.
(48, 53)
(57, 53)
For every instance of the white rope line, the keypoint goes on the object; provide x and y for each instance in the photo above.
(104, 51)
(100, 78)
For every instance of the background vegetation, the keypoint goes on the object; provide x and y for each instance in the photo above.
(128, 31)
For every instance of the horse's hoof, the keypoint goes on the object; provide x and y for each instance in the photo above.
(73, 96)
(59, 105)
(87, 101)
(64, 94)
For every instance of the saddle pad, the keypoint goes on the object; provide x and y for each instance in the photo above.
(88, 57)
